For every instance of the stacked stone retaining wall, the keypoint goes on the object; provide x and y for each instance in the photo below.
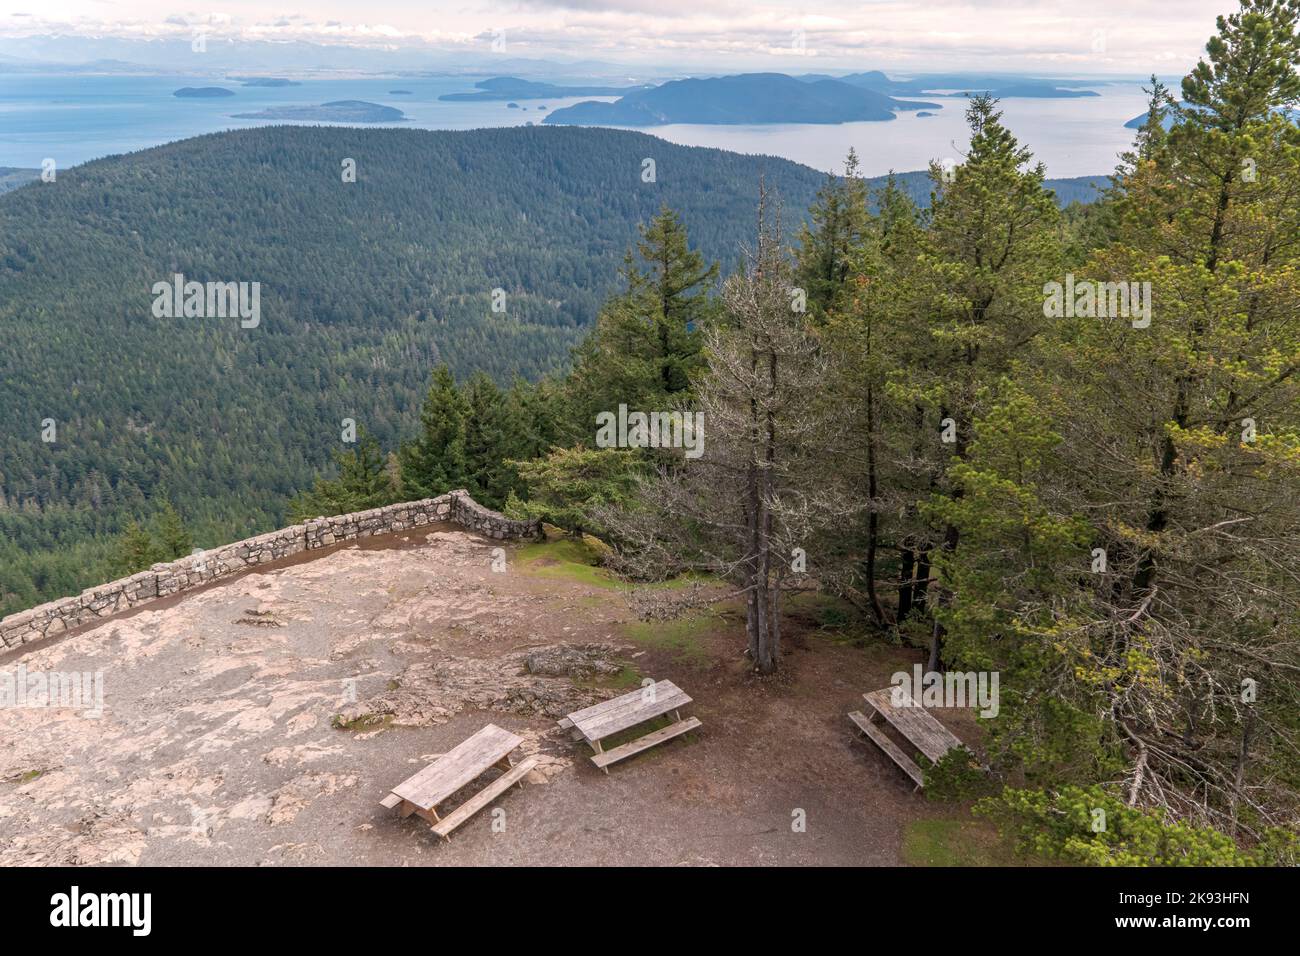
(197, 569)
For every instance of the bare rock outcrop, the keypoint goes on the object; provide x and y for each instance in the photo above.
(535, 683)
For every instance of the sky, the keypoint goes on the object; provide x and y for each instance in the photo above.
(1079, 37)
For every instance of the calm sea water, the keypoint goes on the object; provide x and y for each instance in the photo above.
(73, 119)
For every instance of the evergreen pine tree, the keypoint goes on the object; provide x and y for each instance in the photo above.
(174, 539)
(645, 348)
(434, 462)
(136, 550)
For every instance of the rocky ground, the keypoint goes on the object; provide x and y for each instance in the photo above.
(261, 721)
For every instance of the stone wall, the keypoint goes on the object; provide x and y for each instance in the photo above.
(53, 618)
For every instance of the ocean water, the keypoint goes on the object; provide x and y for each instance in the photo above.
(1072, 137)
(75, 118)
(72, 119)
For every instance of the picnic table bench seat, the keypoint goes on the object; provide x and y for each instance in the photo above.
(600, 721)
(485, 796)
(607, 757)
(917, 725)
(422, 792)
(895, 752)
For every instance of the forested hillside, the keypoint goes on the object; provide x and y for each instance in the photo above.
(365, 287)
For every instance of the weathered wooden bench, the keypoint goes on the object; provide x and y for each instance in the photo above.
(594, 724)
(464, 763)
(917, 726)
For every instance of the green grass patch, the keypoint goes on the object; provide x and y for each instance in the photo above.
(566, 559)
(956, 842)
(683, 637)
(626, 679)
(578, 561)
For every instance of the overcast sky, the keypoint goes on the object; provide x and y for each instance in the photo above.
(1096, 36)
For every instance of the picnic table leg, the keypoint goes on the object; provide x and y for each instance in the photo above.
(506, 763)
(407, 808)
(430, 815)
(596, 746)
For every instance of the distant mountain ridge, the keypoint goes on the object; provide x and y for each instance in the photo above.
(746, 98)
(1003, 86)
(337, 111)
(203, 92)
(514, 88)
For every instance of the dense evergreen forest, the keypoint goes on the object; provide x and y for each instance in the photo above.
(366, 286)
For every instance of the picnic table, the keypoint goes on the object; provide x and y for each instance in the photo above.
(594, 724)
(464, 763)
(914, 722)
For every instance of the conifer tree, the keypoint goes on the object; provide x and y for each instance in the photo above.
(1185, 439)
(645, 347)
(992, 236)
(136, 550)
(859, 329)
(174, 539)
(835, 234)
(486, 442)
(365, 480)
(433, 463)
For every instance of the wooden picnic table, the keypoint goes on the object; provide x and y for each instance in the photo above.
(914, 722)
(596, 723)
(464, 763)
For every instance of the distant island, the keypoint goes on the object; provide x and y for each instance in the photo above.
(1030, 91)
(925, 113)
(338, 111)
(748, 98)
(399, 92)
(203, 92)
(273, 81)
(1003, 86)
(513, 88)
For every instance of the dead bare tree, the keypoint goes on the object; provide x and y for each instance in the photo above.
(760, 490)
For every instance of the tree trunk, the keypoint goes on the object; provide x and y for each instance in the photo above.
(1243, 757)
(936, 645)
(921, 590)
(873, 517)
(768, 629)
(907, 564)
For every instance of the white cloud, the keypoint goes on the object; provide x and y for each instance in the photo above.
(709, 34)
